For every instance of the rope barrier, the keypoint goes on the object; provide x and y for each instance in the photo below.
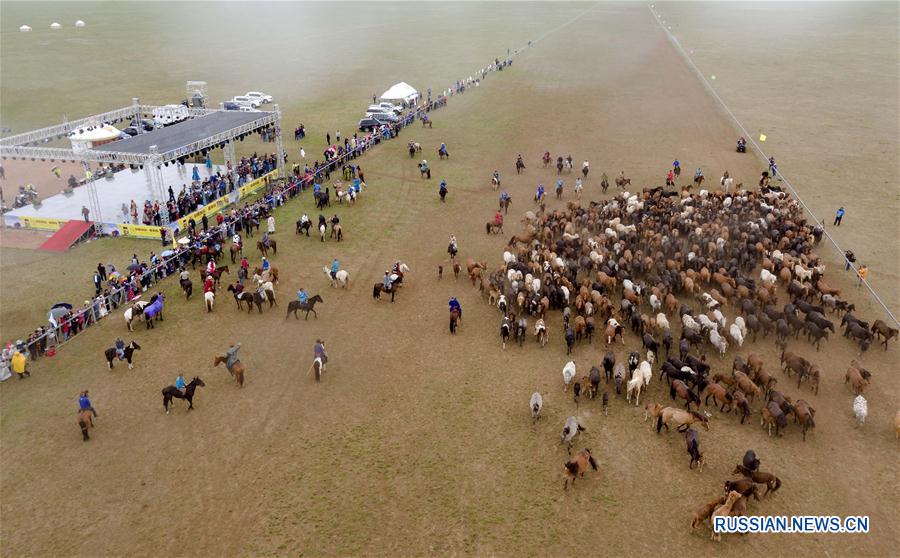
(765, 157)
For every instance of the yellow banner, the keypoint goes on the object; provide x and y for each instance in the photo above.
(218, 204)
(139, 231)
(42, 223)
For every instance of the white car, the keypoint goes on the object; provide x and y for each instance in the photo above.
(258, 96)
(245, 101)
(248, 109)
(390, 107)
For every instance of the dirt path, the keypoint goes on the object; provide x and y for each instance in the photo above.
(417, 442)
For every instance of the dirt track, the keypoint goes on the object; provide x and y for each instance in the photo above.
(418, 442)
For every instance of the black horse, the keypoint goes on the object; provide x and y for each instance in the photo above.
(379, 288)
(308, 306)
(173, 392)
(129, 350)
(303, 227)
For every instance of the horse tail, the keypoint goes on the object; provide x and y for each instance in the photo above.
(592, 462)
(659, 423)
(672, 390)
(375, 291)
(777, 484)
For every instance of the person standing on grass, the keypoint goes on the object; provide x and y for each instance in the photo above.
(773, 168)
(862, 273)
(839, 214)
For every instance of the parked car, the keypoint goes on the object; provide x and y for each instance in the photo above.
(245, 101)
(383, 116)
(248, 109)
(228, 105)
(383, 108)
(391, 107)
(261, 97)
(132, 130)
(368, 124)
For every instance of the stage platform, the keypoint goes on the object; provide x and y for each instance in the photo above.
(126, 185)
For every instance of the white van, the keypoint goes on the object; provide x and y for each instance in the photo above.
(170, 114)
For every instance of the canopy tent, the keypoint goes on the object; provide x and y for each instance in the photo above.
(402, 92)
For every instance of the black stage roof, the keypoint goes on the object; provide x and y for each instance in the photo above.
(184, 133)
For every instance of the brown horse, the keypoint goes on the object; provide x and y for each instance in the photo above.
(236, 371)
(493, 228)
(621, 181)
(803, 414)
(681, 390)
(680, 417)
(703, 512)
(216, 275)
(720, 395)
(273, 246)
(85, 419)
(772, 482)
(273, 273)
(577, 466)
(235, 250)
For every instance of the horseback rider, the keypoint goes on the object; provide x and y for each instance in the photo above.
(180, 385)
(539, 195)
(335, 267)
(676, 167)
(265, 239)
(559, 186)
(84, 403)
(319, 351)
(498, 219)
(496, 175)
(120, 348)
(504, 195)
(209, 285)
(304, 220)
(232, 355)
(236, 240)
(265, 264)
(302, 295)
(442, 190)
(211, 267)
(335, 220)
(697, 174)
(453, 247)
(454, 304)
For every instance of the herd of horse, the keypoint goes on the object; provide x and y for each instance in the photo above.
(655, 259)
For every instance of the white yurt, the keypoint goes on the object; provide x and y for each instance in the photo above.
(92, 136)
(55, 26)
(79, 23)
(25, 28)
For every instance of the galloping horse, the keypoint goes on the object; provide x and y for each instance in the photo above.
(454, 320)
(173, 392)
(85, 419)
(110, 354)
(265, 250)
(308, 306)
(153, 310)
(216, 275)
(236, 371)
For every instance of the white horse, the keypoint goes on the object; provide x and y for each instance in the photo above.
(342, 278)
(767, 278)
(635, 385)
(568, 373)
(645, 371)
(860, 410)
(739, 321)
(655, 303)
(718, 342)
(540, 331)
(134, 312)
(210, 298)
(536, 404)
(322, 230)
(569, 431)
(736, 334)
(662, 322)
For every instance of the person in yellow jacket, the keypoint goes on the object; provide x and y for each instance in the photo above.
(17, 363)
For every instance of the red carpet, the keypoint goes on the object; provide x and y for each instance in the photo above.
(65, 237)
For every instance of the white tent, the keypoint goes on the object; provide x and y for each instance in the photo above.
(402, 92)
